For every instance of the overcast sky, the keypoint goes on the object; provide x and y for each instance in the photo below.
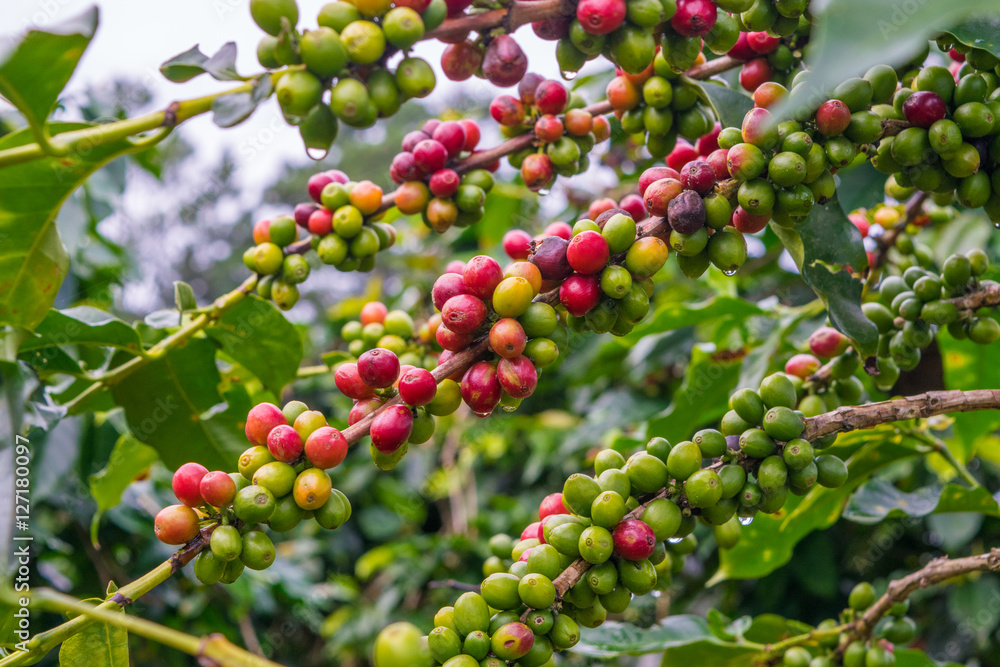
(136, 36)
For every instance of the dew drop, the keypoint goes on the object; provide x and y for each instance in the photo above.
(997, 224)
(510, 408)
(746, 520)
(544, 191)
(731, 271)
(483, 415)
(675, 540)
(656, 594)
(316, 154)
(569, 76)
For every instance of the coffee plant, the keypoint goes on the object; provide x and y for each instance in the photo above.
(780, 448)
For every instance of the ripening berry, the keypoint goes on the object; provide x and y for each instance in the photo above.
(326, 447)
(363, 408)
(284, 443)
(391, 428)
(517, 244)
(417, 387)
(802, 365)
(827, 342)
(588, 252)
(176, 524)
(579, 294)
(634, 540)
(463, 313)
(832, 118)
(550, 505)
(349, 382)
(378, 368)
(260, 420)
(517, 376)
(186, 483)
(217, 488)
(481, 388)
(482, 274)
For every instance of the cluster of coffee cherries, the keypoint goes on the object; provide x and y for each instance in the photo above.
(429, 183)
(952, 144)
(376, 378)
(282, 480)
(658, 107)
(343, 221)
(393, 330)
(768, 57)
(829, 392)
(563, 141)
(622, 529)
(481, 299)
(895, 629)
(603, 272)
(499, 59)
(280, 273)
(345, 55)
(704, 229)
(911, 308)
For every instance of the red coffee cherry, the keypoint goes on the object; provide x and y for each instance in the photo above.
(549, 256)
(517, 376)
(537, 171)
(462, 60)
(404, 167)
(451, 135)
(260, 420)
(832, 118)
(526, 87)
(742, 49)
(411, 140)
(504, 63)
(186, 483)
(447, 286)
(548, 129)
(654, 174)
(430, 155)
(579, 294)
(517, 244)
(860, 220)
(561, 229)
(633, 205)
(755, 73)
(284, 443)
(444, 182)
(321, 222)
(507, 338)
(533, 531)
(217, 488)
(659, 194)
(349, 382)
(551, 504)
(924, 108)
(699, 176)
(378, 368)
(682, 154)
(827, 342)
(451, 340)
(316, 184)
(762, 43)
(326, 447)
(588, 252)
(600, 17)
(507, 110)
(748, 223)
(694, 18)
(719, 161)
(482, 274)
(634, 540)
(176, 524)
(302, 213)
(417, 387)
(802, 365)
(550, 97)
(373, 312)
(391, 428)
(708, 142)
(463, 314)
(481, 388)
(363, 408)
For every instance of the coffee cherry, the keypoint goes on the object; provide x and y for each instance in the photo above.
(217, 488)
(349, 382)
(512, 641)
(463, 314)
(186, 483)
(267, 14)
(482, 274)
(832, 118)
(253, 504)
(226, 543)
(504, 63)
(802, 365)
(260, 420)
(481, 388)
(694, 18)
(312, 488)
(258, 550)
(284, 443)
(513, 296)
(307, 422)
(587, 252)
(600, 17)
(391, 428)
(378, 368)
(326, 447)
(176, 524)
(924, 108)
(579, 294)
(634, 540)
(552, 505)
(277, 477)
(517, 376)
(550, 97)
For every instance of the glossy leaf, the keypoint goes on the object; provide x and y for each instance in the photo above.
(879, 499)
(823, 245)
(860, 186)
(83, 325)
(33, 261)
(677, 314)
(684, 640)
(34, 71)
(184, 297)
(97, 645)
(980, 32)
(233, 109)
(173, 405)
(129, 459)
(221, 65)
(968, 365)
(256, 334)
(730, 104)
(767, 543)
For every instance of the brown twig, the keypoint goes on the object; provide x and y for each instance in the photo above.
(935, 572)
(452, 583)
(914, 208)
(988, 294)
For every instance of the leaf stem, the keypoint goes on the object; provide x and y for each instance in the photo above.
(941, 447)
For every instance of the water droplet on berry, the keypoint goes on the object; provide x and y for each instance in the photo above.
(675, 540)
(746, 520)
(316, 154)
(731, 271)
(569, 76)
(483, 415)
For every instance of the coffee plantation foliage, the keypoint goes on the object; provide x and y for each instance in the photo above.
(687, 355)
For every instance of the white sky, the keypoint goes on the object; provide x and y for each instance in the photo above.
(136, 36)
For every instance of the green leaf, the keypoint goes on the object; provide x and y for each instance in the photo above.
(83, 325)
(822, 246)
(878, 499)
(33, 261)
(981, 32)
(860, 186)
(852, 35)
(128, 460)
(256, 334)
(767, 543)
(911, 657)
(34, 71)
(730, 105)
(233, 109)
(701, 398)
(97, 645)
(967, 366)
(184, 297)
(221, 66)
(684, 640)
(173, 405)
(675, 315)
